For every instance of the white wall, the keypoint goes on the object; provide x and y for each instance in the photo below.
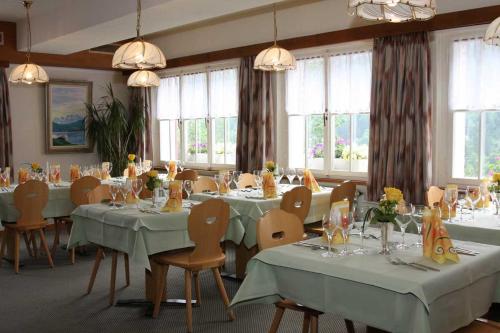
(28, 116)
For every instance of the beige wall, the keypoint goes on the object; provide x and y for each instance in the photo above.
(28, 116)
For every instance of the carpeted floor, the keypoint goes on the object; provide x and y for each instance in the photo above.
(40, 299)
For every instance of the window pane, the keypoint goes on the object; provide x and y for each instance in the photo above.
(466, 144)
(315, 142)
(201, 141)
(341, 134)
(231, 130)
(360, 136)
(190, 140)
(224, 93)
(169, 140)
(491, 154)
(194, 96)
(305, 87)
(218, 135)
(296, 142)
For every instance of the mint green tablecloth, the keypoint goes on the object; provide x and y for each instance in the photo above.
(136, 233)
(484, 229)
(369, 289)
(250, 208)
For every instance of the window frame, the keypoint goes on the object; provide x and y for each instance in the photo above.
(209, 120)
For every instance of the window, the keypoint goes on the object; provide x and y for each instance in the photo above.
(474, 101)
(333, 139)
(198, 117)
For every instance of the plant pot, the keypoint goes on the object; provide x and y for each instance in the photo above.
(359, 165)
(316, 163)
(386, 229)
(340, 164)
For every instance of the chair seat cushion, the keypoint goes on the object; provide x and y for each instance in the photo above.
(181, 259)
(23, 227)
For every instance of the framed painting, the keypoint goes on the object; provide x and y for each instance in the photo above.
(66, 116)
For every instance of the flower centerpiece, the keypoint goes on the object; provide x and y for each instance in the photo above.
(132, 173)
(494, 190)
(36, 167)
(153, 184)
(270, 166)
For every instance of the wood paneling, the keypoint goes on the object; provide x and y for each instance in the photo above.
(440, 22)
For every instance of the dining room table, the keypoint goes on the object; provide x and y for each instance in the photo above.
(249, 206)
(483, 228)
(375, 289)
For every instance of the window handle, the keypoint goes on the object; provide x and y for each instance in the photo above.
(325, 117)
(207, 121)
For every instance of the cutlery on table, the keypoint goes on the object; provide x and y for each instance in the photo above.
(397, 261)
(461, 249)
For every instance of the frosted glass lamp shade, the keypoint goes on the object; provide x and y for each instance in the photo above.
(274, 58)
(143, 78)
(492, 36)
(394, 10)
(28, 74)
(139, 54)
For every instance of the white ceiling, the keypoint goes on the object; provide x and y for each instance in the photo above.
(67, 26)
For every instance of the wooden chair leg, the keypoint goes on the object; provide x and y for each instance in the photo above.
(27, 242)
(349, 325)
(127, 269)
(16, 252)
(189, 306)
(160, 280)
(3, 246)
(222, 292)
(197, 287)
(306, 322)
(113, 278)
(35, 245)
(277, 319)
(55, 243)
(314, 324)
(72, 256)
(45, 247)
(97, 262)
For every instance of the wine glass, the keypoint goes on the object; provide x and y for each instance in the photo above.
(473, 197)
(279, 175)
(180, 166)
(450, 199)
(227, 179)
(125, 189)
(484, 195)
(404, 218)
(290, 175)
(188, 187)
(110, 168)
(300, 175)
(218, 180)
(359, 224)
(236, 178)
(495, 199)
(258, 177)
(462, 200)
(417, 215)
(136, 190)
(113, 191)
(328, 229)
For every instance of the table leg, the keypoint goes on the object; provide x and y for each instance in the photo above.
(243, 255)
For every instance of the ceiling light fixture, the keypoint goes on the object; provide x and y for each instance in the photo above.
(139, 54)
(394, 11)
(28, 73)
(275, 58)
(492, 36)
(143, 78)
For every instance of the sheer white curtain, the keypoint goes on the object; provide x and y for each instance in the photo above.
(305, 88)
(194, 96)
(168, 101)
(474, 76)
(224, 93)
(350, 82)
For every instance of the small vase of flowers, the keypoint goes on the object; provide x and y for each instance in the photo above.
(270, 166)
(494, 190)
(153, 184)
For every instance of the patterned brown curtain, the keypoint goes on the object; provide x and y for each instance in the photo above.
(144, 140)
(256, 135)
(5, 123)
(400, 119)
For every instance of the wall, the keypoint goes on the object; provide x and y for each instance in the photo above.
(28, 116)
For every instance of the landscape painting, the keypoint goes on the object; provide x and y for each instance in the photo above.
(66, 114)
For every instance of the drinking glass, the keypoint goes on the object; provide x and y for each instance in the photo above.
(417, 215)
(236, 178)
(279, 175)
(403, 219)
(180, 166)
(329, 229)
(113, 191)
(188, 187)
(343, 221)
(290, 175)
(359, 221)
(125, 190)
(110, 168)
(473, 197)
(484, 195)
(450, 199)
(136, 190)
(462, 200)
(258, 177)
(218, 180)
(300, 175)
(227, 178)
(495, 199)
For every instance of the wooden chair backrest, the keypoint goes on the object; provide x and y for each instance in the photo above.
(204, 184)
(80, 189)
(187, 174)
(297, 201)
(278, 227)
(30, 199)
(246, 180)
(434, 195)
(346, 190)
(145, 193)
(99, 194)
(207, 224)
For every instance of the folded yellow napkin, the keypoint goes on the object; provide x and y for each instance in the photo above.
(74, 172)
(105, 174)
(22, 175)
(437, 242)
(55, 174)
(6, 173)
(132, 171)
(343, 208)
(174, 202)
(172, 170)
(224, 181)
(310, 182)
(269, 185)
(484, 189)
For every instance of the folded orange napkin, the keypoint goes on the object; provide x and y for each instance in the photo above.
(74, 172)
(269, 185)
(224, 178)
(174, 202)
(484, 189)
(55, 174)
(6, 174)
(132, 171)
(22, 175)
(172, 170)
(437, 242)
(310, 182)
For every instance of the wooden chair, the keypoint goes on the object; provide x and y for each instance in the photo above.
(277, 228)
(207, 224)
(30, 199)
(187, 174)
(480, 326)
(434, 196)
(297, 201)
(204, 184)
(98, 195)
(246, 180)
(78, 194)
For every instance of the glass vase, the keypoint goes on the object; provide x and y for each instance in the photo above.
(385, 234)
(155, 197)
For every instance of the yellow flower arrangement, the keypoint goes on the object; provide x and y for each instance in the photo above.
(496, 177)
(131, 157)
(153, 173)
(270, 166)
(393, 194)
(35, 166)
